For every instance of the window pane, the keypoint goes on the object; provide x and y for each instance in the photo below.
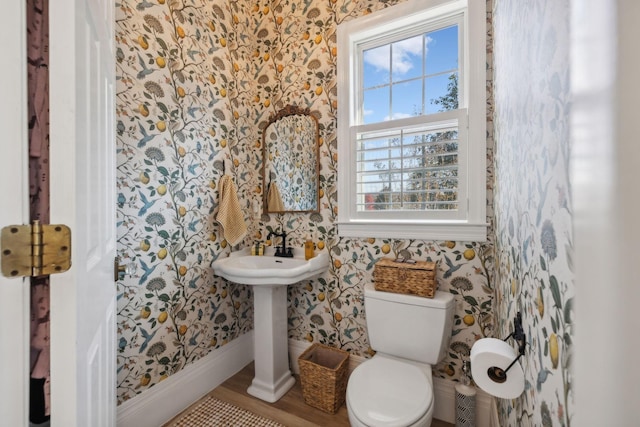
(442, 50)
(407, 59)
(378, 154)
(375, 107)
(437, 93)
(407, 99)
(376, 66)
(408, 170)
(414, 76)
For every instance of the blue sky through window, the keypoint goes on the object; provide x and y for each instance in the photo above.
(402, 78)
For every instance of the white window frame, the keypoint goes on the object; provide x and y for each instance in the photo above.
(469, 223)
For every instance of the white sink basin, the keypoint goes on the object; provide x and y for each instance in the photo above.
(269, 270)
(269, 276)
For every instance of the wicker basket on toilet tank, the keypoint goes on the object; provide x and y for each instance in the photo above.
(413, 278)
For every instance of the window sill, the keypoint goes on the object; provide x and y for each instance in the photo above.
(432, 230)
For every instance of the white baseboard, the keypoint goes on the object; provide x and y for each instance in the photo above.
(168, 398)
(444, 391)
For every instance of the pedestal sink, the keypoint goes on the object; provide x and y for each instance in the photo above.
(269, 276)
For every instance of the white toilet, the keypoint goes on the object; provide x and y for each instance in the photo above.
(409, 334)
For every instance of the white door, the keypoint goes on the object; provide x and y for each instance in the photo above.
(82, 146)
(14, 209)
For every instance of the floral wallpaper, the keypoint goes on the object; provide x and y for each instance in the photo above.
(533, 220)
(197, 83)
(183, 117)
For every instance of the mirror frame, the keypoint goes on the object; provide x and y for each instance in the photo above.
(289, 110)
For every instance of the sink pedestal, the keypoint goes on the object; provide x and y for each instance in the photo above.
(269, 276)
(271, 344)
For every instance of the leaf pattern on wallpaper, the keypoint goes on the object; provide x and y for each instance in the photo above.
(171, 73)
(533, 216)
(196, 85)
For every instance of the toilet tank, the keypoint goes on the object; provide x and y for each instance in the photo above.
(408, 326)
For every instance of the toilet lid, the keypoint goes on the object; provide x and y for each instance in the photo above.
(385, 392)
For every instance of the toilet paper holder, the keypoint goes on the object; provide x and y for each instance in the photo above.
(499, 375)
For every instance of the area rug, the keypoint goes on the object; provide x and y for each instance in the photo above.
(212, 412)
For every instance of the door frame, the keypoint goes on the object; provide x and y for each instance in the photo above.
(14, 187)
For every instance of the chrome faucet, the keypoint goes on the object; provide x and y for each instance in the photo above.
(283, 250)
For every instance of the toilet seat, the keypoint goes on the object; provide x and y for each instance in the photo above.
(386, 392)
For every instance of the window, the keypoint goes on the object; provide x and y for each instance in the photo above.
(412, 122)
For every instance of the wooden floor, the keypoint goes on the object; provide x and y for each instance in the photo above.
(290, 410)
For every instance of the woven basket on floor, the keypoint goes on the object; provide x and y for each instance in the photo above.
(324, 372)
(405, 278)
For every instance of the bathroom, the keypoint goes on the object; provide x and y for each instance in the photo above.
(253, 58)
(248, 59)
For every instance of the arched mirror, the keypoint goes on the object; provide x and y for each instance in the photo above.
(291, 162)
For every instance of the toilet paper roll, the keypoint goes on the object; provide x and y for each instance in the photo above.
(491, 352)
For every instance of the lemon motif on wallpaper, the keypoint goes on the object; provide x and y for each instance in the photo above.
(162, 317)
(468, 319)
(142, 41)
(145, 312)
(469, 254)
(144, 177)
(143, 110)
(553, 350)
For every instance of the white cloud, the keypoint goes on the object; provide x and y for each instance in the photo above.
(378, 57)
(404, 53)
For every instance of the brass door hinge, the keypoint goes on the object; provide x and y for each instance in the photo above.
(35, 250)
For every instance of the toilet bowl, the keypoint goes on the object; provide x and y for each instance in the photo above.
(389, 392)
(410, 334)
